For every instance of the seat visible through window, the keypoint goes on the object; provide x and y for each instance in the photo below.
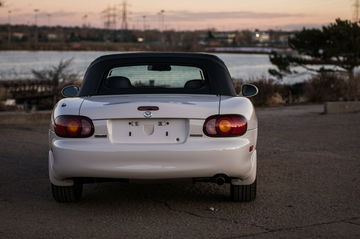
(194, 84)
(118, 82)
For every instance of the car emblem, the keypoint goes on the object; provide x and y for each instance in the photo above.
(147, 114)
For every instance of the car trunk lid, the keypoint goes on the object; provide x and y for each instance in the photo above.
(170, 106)
(149, 119)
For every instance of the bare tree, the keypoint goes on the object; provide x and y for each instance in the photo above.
(59, 75)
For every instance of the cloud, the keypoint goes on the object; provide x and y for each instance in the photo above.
(68, 18)
(290, 27)
(187, 16)
(63, 14)
(55, 14)
(178, 19)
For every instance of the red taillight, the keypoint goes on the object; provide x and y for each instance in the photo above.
(225, 126)
(72, 126)
(148, 108)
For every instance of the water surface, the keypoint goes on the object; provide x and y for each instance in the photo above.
(18, 64)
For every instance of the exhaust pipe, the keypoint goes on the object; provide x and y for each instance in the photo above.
(220, 180)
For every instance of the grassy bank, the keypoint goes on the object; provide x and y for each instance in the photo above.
(321, 88)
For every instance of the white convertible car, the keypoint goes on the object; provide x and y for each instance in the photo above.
(154, 116)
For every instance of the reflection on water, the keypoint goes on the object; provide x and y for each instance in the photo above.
(18, 64)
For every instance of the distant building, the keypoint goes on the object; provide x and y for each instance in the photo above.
(272, 38)
(261, 36)
(52, 36)
(18, 36)
(212, 38)
(189, 40)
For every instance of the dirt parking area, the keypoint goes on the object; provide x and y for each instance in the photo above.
(308, 187)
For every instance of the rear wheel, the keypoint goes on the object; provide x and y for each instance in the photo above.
(67, 193)
(243, 193)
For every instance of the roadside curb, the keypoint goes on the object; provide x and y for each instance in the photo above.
(40, 117)
(341, 107)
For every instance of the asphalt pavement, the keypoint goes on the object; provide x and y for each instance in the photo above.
(308, 187)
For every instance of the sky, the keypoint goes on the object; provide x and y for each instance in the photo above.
(182, 14)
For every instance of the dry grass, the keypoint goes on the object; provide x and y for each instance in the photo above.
(271, 93)
(321, 88)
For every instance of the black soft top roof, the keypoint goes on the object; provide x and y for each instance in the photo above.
(216, 71)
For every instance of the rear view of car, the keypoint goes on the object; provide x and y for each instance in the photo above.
(146, 116)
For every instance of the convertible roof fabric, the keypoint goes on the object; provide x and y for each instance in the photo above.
(214, 69)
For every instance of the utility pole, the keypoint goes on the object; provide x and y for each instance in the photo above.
(162, 20)
(9, 30)
(36, 22)
(124, 15)
(36, 16)
(84, 18)
(356, 10)
(113, 17)
(49, 18)
(144, 22)
(9, 17)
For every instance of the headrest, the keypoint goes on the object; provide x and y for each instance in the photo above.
(194, 84)
(118, 82)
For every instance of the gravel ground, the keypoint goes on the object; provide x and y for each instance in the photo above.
(308, 187)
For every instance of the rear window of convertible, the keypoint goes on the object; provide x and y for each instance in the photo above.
(154, 78)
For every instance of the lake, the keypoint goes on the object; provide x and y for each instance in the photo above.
(18, 64)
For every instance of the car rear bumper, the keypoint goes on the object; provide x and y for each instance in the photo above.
(195, 158)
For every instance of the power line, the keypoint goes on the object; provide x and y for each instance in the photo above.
(110, 16)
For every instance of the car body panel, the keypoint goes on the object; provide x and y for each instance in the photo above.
(170, 106)
(68, 106)
(239, 105)
(197, 157)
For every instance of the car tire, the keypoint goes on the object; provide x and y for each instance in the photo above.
(67, 193)
(243, 193)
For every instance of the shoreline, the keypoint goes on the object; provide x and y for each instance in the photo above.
(89, 50)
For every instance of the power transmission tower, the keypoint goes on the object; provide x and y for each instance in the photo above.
(110, 16)
(356, 10)
(124, 16)
(106, 16)
(84, 19)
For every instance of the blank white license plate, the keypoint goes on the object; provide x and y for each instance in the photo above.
(148, 131)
